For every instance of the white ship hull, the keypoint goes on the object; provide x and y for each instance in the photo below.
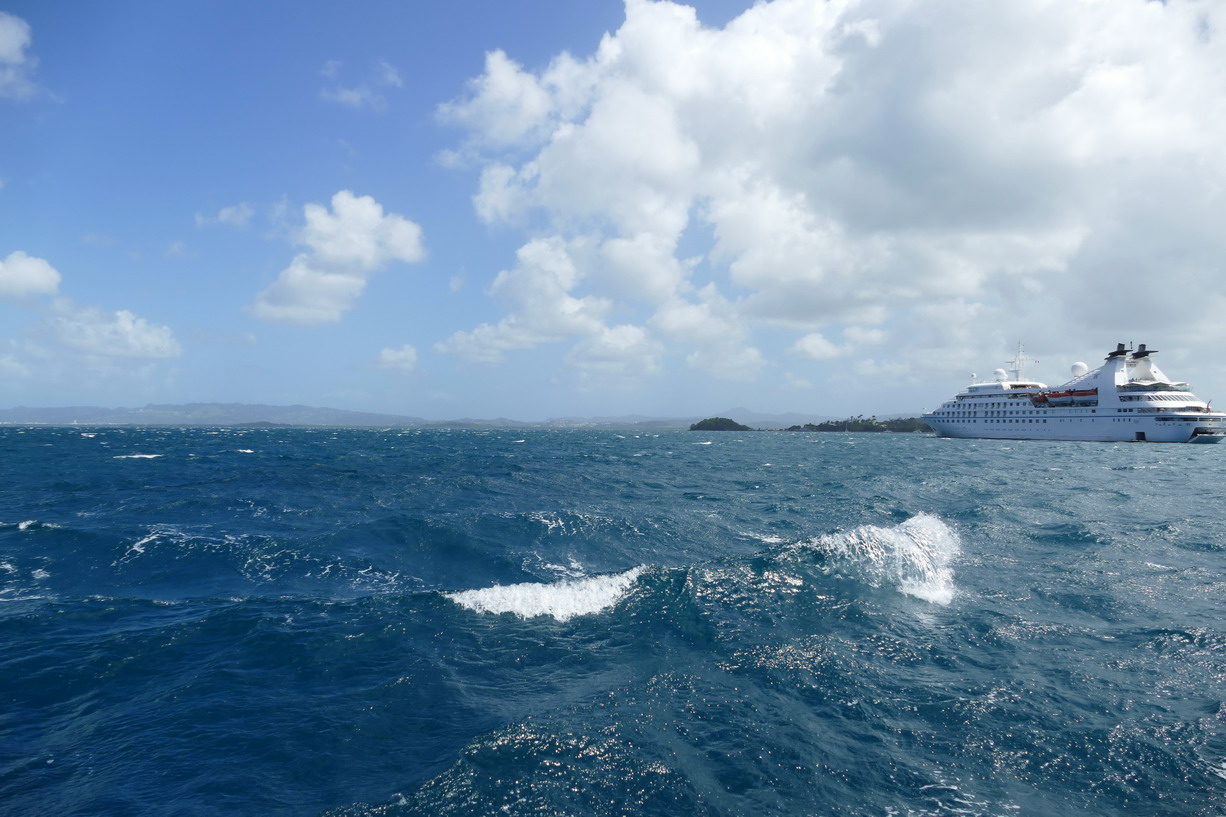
(1104, 429)
(1128, 399)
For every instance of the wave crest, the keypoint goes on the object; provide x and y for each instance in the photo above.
(916, 556)
(561, 600)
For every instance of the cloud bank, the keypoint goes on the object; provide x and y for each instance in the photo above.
(92, 331)
(877, 180)
(68, 340)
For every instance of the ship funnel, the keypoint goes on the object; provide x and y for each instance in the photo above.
(1119, 351)
(1143, 352)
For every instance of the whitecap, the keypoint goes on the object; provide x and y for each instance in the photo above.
(138, 547)
(766, 538)
(137, 456)
(574, 570)
(916, 556)
(562, 600)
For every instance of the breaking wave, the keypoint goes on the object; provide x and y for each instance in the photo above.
(915, 556)
(561, 600)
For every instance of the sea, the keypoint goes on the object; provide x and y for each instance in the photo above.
(353, 622)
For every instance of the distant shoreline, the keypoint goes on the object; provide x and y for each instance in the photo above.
(252, 415)
(860, 423)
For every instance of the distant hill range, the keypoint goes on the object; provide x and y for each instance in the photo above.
(202, 414)
(252, 414)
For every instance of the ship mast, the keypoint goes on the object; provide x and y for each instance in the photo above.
(1018, 363)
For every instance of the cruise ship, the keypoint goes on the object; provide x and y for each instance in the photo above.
(1128, 398)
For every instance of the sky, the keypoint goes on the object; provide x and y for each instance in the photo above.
(551, 209)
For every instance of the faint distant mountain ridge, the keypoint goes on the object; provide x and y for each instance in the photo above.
(248, 414)
(203, 414)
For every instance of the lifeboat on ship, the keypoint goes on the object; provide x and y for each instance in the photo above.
(1063, 398)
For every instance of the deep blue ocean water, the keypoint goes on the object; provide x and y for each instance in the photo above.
(356, 622)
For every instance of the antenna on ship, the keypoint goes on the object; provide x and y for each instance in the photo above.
(1019, 362)
(1142, 352)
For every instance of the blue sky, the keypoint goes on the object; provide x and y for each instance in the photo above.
(547, 209)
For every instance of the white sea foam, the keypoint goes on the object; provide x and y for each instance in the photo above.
(138, 547)
(916, 556)
(574, 570)
(552, 521)
(29, 524)
(562, 600)
(137, 456)
(766, 538)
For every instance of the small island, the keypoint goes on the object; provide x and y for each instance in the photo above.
(718, 424)
(857, 423)
(862, 423)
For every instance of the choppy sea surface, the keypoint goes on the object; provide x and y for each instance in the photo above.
(356, 622)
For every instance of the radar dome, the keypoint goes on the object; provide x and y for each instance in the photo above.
(1079, 369)
(1000, 375)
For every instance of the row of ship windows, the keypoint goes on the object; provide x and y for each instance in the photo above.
(1060, 420)
(1083, 419)
(961, 420)
(1063, 412)
(1125, 398)
(1012, 413)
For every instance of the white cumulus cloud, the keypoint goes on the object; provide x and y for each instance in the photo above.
(403, 359)
(22, 275)
(617, 355)
(538, 291)
(815, 347)
(93, 331)
(506, 104)
(345, 246)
